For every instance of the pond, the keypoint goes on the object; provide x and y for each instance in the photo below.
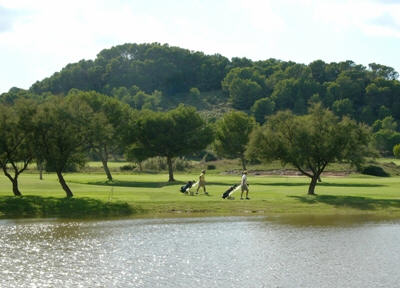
(200, 252)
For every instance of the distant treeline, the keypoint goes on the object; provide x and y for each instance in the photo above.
(154, 75)
(159, 77)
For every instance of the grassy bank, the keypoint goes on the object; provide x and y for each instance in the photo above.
(149, 195)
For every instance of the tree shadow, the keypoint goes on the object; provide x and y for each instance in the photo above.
(36, 206)
(138, 184)
(143, 184)
(327, 184)
(362, 203)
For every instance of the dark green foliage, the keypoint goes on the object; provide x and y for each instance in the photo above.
(62, 130)
(16, 139)
(232, 134)
(310, 142)
(343, 107)
(385, 136)
(262, 108)
(106, 125)
(211, 167)
(148, 66)
(178, 132)
(245, 86)
(70, 167)
(127, 167)
(374, 171)
(159, 77)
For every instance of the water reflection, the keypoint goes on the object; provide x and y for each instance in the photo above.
(199, 252)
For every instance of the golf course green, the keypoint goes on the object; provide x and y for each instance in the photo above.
(150, 195)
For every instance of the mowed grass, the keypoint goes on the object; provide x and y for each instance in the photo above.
(150, 195)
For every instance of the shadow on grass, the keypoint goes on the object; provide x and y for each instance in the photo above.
(362, 203)
(138, 184)
(327, 184)
(36, 206)
(142, 184)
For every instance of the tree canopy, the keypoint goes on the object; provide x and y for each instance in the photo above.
(178, 132)
(61, 134)
(310, 142)
(16, 148)
(232, 134)
(158, 77)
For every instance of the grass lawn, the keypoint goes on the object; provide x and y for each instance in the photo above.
(149, 195)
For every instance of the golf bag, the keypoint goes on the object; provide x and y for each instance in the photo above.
(229, 191)
(187, 186)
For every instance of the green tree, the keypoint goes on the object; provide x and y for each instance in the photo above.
(136, 153)
(383, 71)
(343, 107)
(244, 86)
(396, 151)
(385, 135)
(107, 124)
(243, 93)
(293, 94)
(262, 108)
(178, 132)
(232, 135)
(310, 142)
(16, 149)
(61, 134)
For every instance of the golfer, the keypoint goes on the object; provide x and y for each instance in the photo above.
(244, 186)
(202, 182)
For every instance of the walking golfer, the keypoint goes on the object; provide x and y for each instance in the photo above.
(202, 182)
(245, 186)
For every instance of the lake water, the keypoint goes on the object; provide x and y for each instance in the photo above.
(200, 252)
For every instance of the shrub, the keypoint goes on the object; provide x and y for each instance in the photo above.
(127, 167)
(396, 151)
(374, 171)
(160, 164)
(181, 164)
(155, 164)
(211, 167)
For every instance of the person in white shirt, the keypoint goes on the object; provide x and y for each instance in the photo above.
(245, 186)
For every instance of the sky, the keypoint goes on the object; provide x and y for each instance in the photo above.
(40, 37)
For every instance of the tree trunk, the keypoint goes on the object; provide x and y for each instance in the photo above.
(14, 181)
(106, 169)
(243, 162)
(40, 168)
(140, 166)
(15, 187)
(313, 183)
(103, 153)
(64, 185)
(170, 170)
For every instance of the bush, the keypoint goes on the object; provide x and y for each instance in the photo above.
(127, 167)
(396, 151)
(374, 171)
(160, 164)
(211, 167)
(155, 164)
(181, 164)
(71, 167)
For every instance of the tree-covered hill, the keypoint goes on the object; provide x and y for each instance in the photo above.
(148, 66)
(159, 77)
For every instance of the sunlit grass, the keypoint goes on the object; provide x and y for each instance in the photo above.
(152, 195)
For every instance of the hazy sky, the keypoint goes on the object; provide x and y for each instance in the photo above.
(40, 37)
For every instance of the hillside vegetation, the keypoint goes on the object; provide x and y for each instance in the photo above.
(159, 77)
